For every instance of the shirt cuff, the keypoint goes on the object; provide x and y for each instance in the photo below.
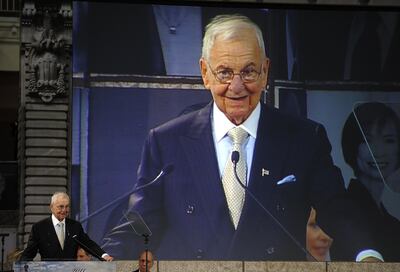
(368, 253)
(105, 254)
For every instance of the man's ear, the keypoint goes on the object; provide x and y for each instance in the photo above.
(203, 70)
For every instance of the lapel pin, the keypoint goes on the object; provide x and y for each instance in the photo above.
(264, 172)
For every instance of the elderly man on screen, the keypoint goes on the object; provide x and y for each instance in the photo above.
(200, 210)
(52, 237)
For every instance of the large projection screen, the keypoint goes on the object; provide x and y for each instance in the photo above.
(136, 67)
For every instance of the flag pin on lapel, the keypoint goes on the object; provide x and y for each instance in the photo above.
(264, 172)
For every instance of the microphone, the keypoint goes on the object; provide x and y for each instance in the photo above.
(165, 171)
(235, 158)
(135, 222)
(86, 248)
(122, 226)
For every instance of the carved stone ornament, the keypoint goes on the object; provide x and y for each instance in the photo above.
(47, 48)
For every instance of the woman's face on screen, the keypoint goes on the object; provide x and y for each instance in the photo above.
(383, 141)
(318, 242)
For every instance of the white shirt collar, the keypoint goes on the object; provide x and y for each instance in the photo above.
(224, 125)
(56, 221)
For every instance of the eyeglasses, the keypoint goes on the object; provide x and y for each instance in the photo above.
(225, 75)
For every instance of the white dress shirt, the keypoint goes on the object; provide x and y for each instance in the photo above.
(55, 225)
(56, 221)
(223, 144)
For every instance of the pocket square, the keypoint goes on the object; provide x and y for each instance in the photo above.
(290, 178)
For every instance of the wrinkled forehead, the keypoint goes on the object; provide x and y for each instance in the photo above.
(236, 53)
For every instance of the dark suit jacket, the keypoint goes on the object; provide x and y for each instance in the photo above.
(187, 211)
(43, 239)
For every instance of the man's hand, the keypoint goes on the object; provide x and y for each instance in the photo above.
(108, 258)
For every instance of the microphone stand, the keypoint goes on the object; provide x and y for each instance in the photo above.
(146, 241)
(87, 249)
(135, 220)
(166, 170)
(3, 235)
(235, 158)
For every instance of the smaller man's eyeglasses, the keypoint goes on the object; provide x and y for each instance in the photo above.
(225, 75)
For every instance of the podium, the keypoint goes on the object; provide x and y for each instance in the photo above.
(92, 266)
(206, 266)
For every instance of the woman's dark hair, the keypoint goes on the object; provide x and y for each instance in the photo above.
(368, 115)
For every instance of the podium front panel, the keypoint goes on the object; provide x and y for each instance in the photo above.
(92, 266)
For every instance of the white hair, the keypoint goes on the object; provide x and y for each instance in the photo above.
(57, 195)
(228, 27)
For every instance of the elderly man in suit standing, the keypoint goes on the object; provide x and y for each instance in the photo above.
(53, 236)
(200, 210)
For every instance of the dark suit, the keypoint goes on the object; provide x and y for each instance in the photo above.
(43, 239)
(187, 211)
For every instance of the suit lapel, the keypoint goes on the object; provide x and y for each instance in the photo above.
(68, 231)
(51, 232)
(199, 148)
(270, 151)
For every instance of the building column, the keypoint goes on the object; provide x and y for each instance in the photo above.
(45, 88)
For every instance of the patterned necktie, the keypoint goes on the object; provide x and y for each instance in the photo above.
(234, 193)
(60, 234)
